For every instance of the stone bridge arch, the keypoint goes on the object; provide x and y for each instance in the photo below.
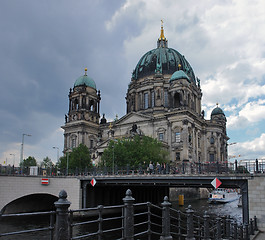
(36, 202)
(13, 188)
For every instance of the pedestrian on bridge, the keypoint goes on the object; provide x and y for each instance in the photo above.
(151, 168)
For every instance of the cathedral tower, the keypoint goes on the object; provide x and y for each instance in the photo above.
(82, 120)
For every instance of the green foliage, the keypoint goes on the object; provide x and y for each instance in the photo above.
(135, 151)
(30, 161)
(78, 158)
(46, 163)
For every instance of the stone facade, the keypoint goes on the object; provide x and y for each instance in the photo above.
(163, 102)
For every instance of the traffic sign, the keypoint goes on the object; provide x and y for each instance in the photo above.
(45, 181)
(216, 183)
(93, 182)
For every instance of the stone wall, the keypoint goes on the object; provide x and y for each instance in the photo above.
(12, 188)
(256, 194)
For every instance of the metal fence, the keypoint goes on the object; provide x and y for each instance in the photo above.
(49, 228)
(181, 168)
(135, 221)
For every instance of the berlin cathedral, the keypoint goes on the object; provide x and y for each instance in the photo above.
(163, 102)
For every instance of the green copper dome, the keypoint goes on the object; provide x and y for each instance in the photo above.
(179, 75)
(164, 60)
(217, 111)
(85, 80)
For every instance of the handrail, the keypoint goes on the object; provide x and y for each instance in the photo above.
(188, 224)
(49, 228)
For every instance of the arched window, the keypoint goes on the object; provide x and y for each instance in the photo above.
(73, 142)
(177, 137)
(75, 104)
(161, 136)
(83, 102)
(211, 157)
(146, 105)
(177, 99)
(91, 105)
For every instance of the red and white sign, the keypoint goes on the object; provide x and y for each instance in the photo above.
(93, 182)
(216, 183)
(45, 181)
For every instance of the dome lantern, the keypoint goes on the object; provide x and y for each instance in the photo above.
(162, 41)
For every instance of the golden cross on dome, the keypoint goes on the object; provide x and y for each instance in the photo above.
(162, 37)
(85, 71)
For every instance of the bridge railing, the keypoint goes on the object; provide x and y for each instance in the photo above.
(134, 221)
(163, 169)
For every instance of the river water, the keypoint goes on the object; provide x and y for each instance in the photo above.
(199, 206)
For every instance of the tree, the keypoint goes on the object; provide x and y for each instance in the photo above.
(78, 158)
(30, 161)
(135, 151)
(46, 163)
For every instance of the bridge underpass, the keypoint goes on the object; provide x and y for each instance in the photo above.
(31, 203)
(110, 190)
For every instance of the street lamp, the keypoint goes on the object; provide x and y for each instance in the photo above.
(22, 146)
(229, 144)
(67, 159)
(12, 154)
(113, 159)
(57, 153)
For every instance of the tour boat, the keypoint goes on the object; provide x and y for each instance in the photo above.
(222, 195)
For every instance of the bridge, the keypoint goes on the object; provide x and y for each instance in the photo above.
(38, 193)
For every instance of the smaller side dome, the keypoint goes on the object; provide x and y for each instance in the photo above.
(217, 111)
(179, 75)
(218, 114)
(85, 80)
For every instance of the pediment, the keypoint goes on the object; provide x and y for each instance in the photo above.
(103, 145)
(133, 117)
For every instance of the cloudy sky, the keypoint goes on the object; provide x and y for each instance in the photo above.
(45, 46)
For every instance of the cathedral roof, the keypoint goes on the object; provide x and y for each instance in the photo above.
(85, 80)
(162, 60)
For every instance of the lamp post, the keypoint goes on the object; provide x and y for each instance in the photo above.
(22, 148)
(67, 159)
(12, 154)
(113, 159)
(57, 153)
(229, 144)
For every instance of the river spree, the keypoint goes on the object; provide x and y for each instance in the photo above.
(199, 206)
